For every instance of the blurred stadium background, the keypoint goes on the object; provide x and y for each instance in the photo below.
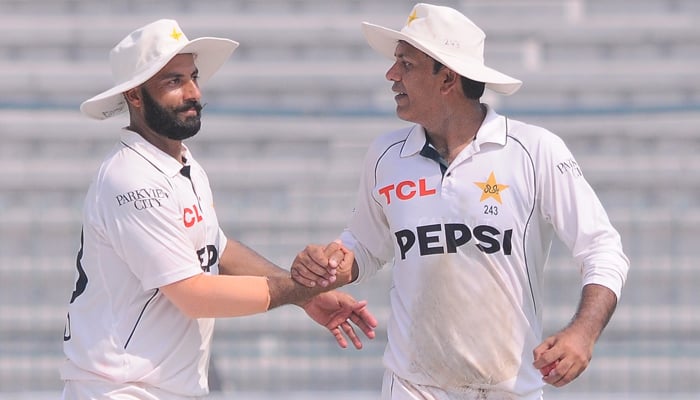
(286, 126)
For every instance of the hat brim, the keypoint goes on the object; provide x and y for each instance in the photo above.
(384, 40)
(211, 53)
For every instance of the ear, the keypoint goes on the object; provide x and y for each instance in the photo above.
(450, 80)
(133, 97)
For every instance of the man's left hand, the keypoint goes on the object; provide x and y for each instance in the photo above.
(562, 357)
(335, 310)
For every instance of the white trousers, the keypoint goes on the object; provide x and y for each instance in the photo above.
(98, 390)
(395, 388)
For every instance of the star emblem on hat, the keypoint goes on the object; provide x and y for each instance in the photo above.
(491, 189)
(176, 34)
(411, 17)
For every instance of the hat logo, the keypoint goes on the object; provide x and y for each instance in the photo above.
(452, 43)
(176, 34)
(411, 18)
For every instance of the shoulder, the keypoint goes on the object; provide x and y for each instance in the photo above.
(124, 170)
(390, 140)
(534, 138)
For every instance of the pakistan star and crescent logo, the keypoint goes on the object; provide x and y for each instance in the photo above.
(176, 34)
(491, 189)
(411, 18)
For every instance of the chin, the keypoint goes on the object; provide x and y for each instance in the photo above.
(403, 115)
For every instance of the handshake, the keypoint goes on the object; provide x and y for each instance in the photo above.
(322, 268)
(331, 266)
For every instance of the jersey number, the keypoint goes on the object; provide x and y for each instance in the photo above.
(80, 285)
(490, 210)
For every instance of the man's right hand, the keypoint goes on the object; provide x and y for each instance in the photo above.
(318, 265)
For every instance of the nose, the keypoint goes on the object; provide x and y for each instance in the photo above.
(191, 90)
(392, 73)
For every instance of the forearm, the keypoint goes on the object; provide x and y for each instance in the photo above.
(595, 309)
(219, 296)
(563, 356)
(239, 259)
(285, 290)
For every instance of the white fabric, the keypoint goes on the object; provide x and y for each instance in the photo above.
(469, 250)
(395, 388)
(100, 390)
(145, 225)
(448, 36)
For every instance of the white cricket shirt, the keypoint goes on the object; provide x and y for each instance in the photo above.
(147, 222)
(469, 247)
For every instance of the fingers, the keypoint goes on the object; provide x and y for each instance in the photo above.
(345, 327)
(566, 369)
(302, 277)
(547, 369)
(350, 332)
(560, 359)
(317, 258)
(564, 372)
(546, 359)
(354, 312)
(364, 319)
(340, 260)
(335, 254)
(538, 354)
(339, 337)
(345, 267)
(311, 266)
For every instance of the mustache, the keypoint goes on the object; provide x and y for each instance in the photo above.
(193, 104)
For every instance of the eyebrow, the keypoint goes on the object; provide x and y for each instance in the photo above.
(402, 54)
(178, 74)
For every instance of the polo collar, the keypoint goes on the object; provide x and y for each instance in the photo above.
(159, 159)
(492, 130)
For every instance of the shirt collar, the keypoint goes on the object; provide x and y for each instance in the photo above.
(492, 130)
(161, 160)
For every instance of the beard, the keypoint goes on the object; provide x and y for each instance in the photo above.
(165, 121)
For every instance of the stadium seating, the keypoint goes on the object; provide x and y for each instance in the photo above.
(285, 129)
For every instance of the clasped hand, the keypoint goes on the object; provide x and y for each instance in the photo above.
(332, 266)
(318, 265)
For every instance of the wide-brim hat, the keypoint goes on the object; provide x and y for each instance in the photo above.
(144, 52)
(449, 37)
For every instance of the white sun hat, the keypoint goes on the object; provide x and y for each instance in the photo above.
(144, 52)
(449, 37)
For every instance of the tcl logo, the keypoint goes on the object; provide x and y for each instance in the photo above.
(191, 216)
(406, 190)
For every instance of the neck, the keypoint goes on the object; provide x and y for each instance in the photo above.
(169, 146)
(457, 130)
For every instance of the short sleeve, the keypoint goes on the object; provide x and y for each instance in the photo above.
(150, 237)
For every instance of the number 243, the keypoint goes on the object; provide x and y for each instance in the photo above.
(490, 210)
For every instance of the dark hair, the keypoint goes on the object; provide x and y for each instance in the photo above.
(472, 89)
